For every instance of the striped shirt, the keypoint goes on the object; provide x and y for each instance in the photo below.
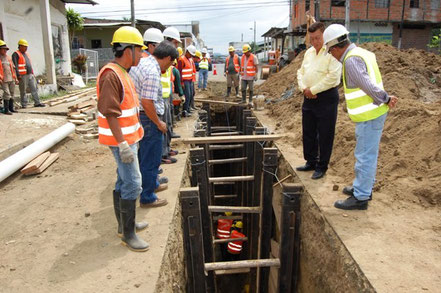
(147, 79)
(357, 77)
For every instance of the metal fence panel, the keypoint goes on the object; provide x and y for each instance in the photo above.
(92, 66)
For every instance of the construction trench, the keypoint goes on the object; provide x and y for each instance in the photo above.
(287, 244)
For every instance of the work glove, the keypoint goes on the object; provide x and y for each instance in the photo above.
(255, 78)
(125, 152)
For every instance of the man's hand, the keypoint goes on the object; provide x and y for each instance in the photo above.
(18, 77)
(16, 82)
(162, 127)
(125, 152)
(392, 102)
(255, 78)
(308, 94)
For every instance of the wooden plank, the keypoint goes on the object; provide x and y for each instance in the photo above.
(231, 139)
(219, 102)
(35, 163)
(275, 249)
(225, 195)
(215, 218)
(234, 209)
(225, 133)
(214, 147)
(252, 263)
(223, 127)
(232, 271)
(231, 179)
(227, 161)
(218, 241)
(49, 161)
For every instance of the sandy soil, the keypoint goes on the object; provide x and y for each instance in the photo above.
(59, 229)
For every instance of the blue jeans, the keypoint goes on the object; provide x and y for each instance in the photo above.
(203, 77)
(188, 93)
(128, 181)
(368, 135)
(150, 150)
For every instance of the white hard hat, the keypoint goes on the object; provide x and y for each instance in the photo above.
(192, 50)
(153, 35)
(204, 51)
(172, 32)
(334, 34)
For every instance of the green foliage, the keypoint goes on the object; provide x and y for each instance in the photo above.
(74, 20)
(436, 40)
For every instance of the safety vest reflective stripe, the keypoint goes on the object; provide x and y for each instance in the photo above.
(203, 64)
(129, 118)
(11, 66)
(223, 233)
(250, 68)
(360, 105)
(22, 63)
(235, 247)
(187, 69)
(166, 84)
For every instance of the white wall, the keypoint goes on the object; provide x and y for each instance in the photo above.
(19, 25)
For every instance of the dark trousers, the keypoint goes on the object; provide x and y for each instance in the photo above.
(188, 93)
(318, 124)
(149, 156)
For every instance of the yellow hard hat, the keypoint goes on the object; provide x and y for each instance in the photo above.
(198, 54)
(231, 49)
(3, 45)
(128, 35)
(180, 51)
(239, 224)
(246, 48)
(228, 214)
(23, 42)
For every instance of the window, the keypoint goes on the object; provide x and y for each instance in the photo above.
(96, 44)
(382, 3)
(414, 3)
(307, 4)
(341, 3)
(435, 4)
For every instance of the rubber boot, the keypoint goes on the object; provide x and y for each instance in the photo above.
(244, 96)
(251, 97)
(6, 107)
(11, 106)
(138, 226)
(228, 92)
(237, 92)
(130, 239)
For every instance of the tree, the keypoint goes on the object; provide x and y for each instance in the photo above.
(436, 40)
(74, 22)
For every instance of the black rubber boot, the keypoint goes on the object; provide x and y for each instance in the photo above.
(11, 106)
(130, 239)
(6, 107)
(237, 90)
(138, 226)
(251, 97)
(228, 92)
(244, 96)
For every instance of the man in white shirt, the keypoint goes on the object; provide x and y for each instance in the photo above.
(318, 79)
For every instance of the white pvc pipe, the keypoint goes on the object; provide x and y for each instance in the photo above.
(13, 163)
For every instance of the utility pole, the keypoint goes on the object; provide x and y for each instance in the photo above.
(241, 37)
(348, 14)
(132, 9)
(317, 10)
(255, 45)
(401, 25)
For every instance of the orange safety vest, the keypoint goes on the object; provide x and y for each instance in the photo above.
(172, 79)
(235, 247)
(22, 63)
(187, 69)
(129, 119)
(194, 69)
(223, 228)
(250, 69)
(11, 65)
(235, 61)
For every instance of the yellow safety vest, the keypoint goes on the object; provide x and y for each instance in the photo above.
(360, 106)
(203, 64)
(166, 83)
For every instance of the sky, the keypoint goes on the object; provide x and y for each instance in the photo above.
(221, 22)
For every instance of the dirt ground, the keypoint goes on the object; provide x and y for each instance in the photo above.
(59, 229)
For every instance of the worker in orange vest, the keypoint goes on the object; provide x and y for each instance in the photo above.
(185, 67)
(235, 247)
(231, 71)
(119, 128)
(25, 74)
(8, 79)
(248, 71)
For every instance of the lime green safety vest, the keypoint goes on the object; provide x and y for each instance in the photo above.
(166, 83)
(203, 64)
(360, 106)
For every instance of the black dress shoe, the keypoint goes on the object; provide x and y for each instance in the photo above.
(174, 135)
(306, 167)
(318, 174)
(349, 190)
(40, 105)
(351, 203)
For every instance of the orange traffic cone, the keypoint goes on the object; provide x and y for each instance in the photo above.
(214, 70)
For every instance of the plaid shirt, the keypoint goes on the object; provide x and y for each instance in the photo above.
(147, 79)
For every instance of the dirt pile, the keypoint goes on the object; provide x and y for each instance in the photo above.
(409, 166)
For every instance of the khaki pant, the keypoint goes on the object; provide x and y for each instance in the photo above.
(233, 79)
(28, 80)
(8, 90)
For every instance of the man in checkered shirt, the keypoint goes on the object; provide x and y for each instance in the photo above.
(147, 79)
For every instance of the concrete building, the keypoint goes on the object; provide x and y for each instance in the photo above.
(372, 20)
(43, 24)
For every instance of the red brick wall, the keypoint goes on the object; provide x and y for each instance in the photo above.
(360, 10)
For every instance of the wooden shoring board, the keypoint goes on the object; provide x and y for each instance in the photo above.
(231, 139)
(35, 163)
(52, 158)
